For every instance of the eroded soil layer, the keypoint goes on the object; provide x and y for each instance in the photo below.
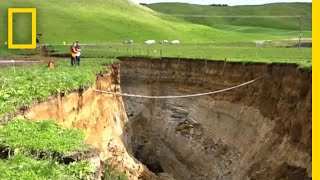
(260, 131)
(102, 117)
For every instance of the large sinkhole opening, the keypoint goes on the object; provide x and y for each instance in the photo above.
(260, 131)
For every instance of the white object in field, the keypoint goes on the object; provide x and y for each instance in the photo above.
(155, 51)
(164, 42)
(175, 42)
(259, 43)
(150, 42)
(128, 41)
(14, 68)
(64, 43)
(6, 43)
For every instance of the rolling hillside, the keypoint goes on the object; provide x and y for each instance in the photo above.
(100, 21)
(239, 18)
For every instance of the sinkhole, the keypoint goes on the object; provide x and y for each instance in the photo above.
(258, 131)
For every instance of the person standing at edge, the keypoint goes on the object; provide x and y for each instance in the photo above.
(73, 54)
(78, 48)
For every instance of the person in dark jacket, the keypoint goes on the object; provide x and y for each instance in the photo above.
(73, 54)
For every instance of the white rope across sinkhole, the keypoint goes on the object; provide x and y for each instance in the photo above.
(181, 96)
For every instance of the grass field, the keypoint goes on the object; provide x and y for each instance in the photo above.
(244, 53)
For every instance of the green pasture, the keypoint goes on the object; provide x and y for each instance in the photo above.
(258, 18)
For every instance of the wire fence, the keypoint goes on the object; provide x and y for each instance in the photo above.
(266, 52)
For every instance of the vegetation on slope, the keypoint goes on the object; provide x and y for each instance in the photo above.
(23, 167)
(111, 173)
(234, 16)
(41, 136)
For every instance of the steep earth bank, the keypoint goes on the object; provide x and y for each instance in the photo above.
(102, 117)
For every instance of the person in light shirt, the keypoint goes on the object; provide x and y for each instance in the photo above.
(78, 48)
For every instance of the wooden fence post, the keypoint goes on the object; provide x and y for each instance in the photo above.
(224, 66)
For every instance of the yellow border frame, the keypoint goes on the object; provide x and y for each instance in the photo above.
(315, 91)
(33, 12)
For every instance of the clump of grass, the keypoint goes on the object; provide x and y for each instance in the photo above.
(111, 173)
(41, 136)
(23, 167)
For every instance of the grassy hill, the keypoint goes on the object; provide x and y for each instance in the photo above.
(238, 20)
(100, 21)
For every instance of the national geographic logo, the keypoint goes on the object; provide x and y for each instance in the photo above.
(33, 12)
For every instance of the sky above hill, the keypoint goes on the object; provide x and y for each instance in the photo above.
(229, 2)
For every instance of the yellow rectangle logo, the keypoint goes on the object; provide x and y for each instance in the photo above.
(33, 12)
